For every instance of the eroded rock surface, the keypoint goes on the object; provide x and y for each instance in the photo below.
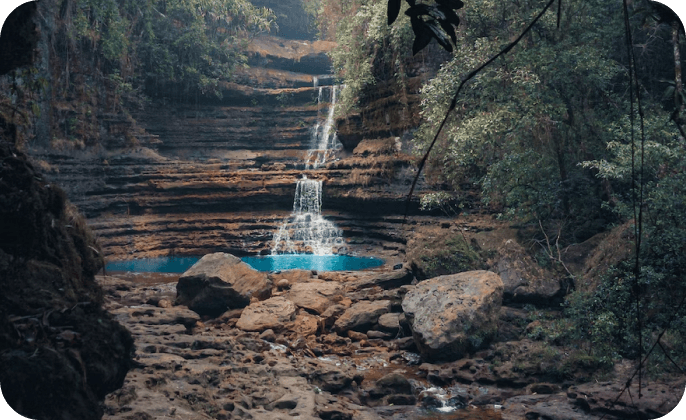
(271, 314)
(191, 367)
(219, 282)
(60, 351)
(454, 314)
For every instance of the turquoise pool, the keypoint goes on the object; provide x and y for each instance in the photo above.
(311, 262)
(261, 263)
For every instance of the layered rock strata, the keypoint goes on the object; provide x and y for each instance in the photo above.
(220, 175)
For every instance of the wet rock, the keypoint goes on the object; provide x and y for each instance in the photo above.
(454, 314)
(393, 383)
(332, 380)
(543, 388)
(219, 282)
(401, 399)
(542, 407)
(273, 313)
(362, 315)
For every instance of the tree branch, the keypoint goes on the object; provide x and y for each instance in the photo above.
(453, 103)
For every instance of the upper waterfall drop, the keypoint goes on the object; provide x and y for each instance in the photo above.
(324, 140)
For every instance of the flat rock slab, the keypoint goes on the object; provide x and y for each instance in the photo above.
(273, 313)
(219, 282)
(385, 280)
(314, 295)
(454, 314)
(362, 315)
(151, 315)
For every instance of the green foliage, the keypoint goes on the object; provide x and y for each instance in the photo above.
(438, 255)
(523, 125)
(608, 316)
(189, 46)
(368, 49)
(438, 201)
(183, 46)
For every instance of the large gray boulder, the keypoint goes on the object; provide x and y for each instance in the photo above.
(454, 314)
(219, 282)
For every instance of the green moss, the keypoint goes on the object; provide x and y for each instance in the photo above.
(447, 254)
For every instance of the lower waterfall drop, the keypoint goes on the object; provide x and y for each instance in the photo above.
(306, 230)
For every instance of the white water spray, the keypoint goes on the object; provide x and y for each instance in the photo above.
(324, 141)
(306, 230)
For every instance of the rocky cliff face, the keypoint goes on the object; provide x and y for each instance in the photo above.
(221, 175)
(60, 351)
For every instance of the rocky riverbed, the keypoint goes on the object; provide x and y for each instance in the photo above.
(340, 345)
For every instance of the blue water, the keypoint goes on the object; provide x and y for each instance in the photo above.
(263, 263)
(154, 265)
(311, 262)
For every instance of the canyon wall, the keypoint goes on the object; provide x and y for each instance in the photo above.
(221, 174)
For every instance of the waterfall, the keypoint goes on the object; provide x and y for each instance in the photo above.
(324, 140)
(306, 230)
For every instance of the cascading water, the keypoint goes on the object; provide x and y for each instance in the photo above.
(306, 230)
(324, 140)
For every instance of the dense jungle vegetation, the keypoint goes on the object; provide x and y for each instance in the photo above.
(547, 136)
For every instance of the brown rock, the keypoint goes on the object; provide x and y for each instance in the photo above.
(272, 313)
(362, 315)
(219, 282)
(305, 324)
(389, 322)
(314, 295)
(357, 336)
(454, 314)
(331, 314)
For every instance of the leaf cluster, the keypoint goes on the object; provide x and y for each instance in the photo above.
(430, 21)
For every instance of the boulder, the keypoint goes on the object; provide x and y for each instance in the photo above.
(362, 315)
(452, 315)
(389, 322)
(314, 295)
(273, 313)
(386, 280)
(523, 280)
(305, 324)
(219, 282)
